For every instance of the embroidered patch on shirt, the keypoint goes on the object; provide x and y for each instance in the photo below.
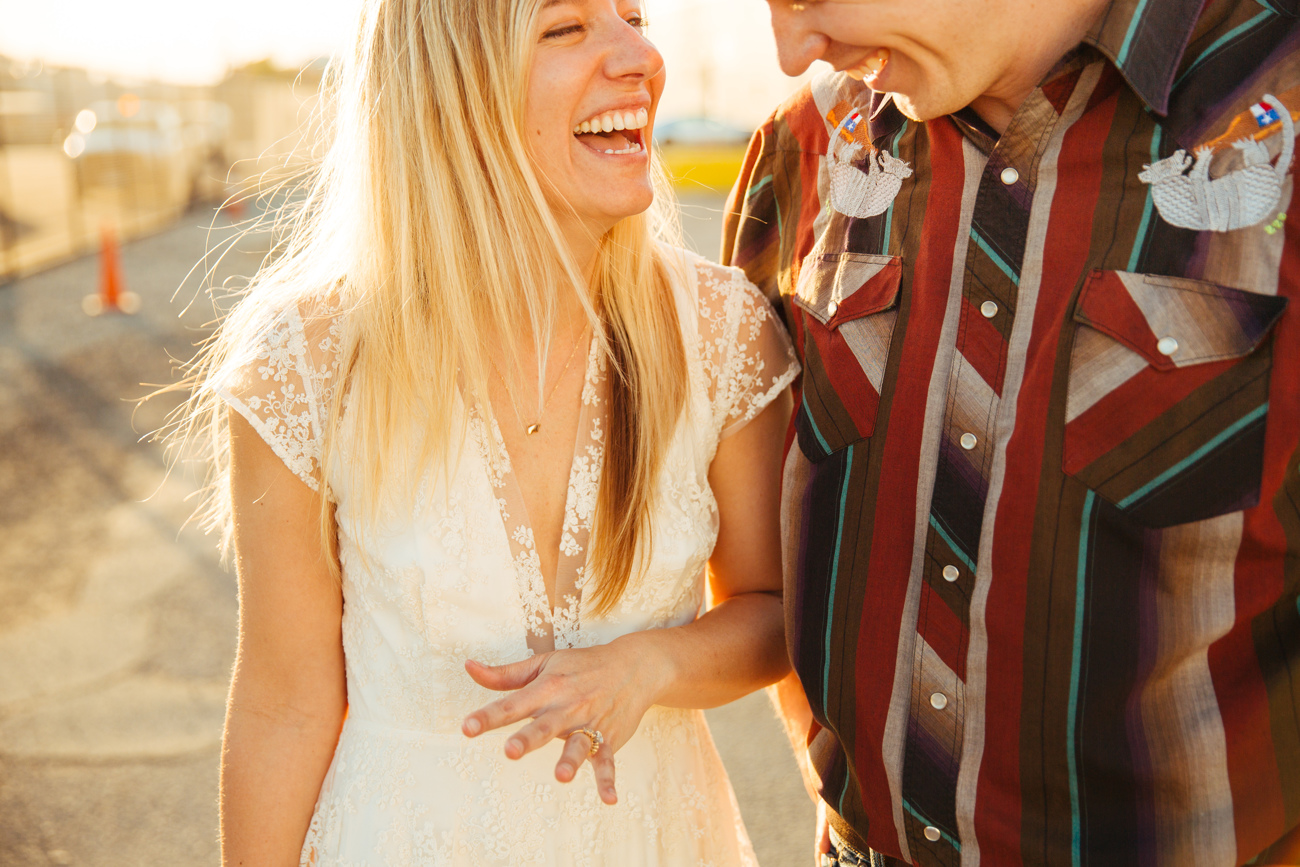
(1245, 197)
(858, 193)
(1264, 113)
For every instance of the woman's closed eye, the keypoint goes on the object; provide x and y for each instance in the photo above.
(563, 30)
(637, 22)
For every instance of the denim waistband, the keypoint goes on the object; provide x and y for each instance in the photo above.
(845, 855)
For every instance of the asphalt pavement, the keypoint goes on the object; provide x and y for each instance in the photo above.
(117, 622)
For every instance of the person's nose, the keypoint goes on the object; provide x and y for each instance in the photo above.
(797, 44)
(634, 57)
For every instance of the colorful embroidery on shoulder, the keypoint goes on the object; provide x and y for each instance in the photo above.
(1186, 195)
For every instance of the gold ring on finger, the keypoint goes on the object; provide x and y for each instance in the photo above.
(596, 740)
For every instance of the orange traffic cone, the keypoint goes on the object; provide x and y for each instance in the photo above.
(113, 295)
(233, 207)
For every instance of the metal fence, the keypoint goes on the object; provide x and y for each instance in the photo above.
(82, 155)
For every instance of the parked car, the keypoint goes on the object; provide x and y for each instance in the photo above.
(700, 131)
(141, 149)
(703, 154)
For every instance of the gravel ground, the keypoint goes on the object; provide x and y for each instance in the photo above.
(117, 622)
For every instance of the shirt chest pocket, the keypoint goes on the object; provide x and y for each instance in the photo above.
(847, 304)
(1168, 395)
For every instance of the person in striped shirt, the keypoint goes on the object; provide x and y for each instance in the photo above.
(1042, 488)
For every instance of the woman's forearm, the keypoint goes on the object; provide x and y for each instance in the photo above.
(289, 693)
(272, 763)
(735, 648)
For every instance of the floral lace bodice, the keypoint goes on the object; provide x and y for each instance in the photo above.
(459, 578)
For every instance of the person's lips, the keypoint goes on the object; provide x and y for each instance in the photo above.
(614, 132)
(869, 68)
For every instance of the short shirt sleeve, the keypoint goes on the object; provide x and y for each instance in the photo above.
(746, 351)
(283, 383)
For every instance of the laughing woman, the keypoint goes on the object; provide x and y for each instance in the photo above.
(479, 436)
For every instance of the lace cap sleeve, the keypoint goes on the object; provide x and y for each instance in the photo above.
(746, 351)
(283, 384)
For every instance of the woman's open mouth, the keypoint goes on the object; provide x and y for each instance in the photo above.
(614, 132)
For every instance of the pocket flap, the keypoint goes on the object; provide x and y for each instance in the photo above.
(837, 287)
(1173, 321)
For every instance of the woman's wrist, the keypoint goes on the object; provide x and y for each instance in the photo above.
(655, 664)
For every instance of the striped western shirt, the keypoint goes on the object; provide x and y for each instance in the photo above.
(1042, 501)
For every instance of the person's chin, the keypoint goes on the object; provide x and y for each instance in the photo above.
(933, 97)
(602, 216)
(917, 109)
(631, 202)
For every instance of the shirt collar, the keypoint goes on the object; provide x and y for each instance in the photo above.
(1145, 39)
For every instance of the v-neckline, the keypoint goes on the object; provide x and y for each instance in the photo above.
(555, 622)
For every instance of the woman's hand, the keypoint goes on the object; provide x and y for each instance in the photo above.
(607, 689)
(822, 839)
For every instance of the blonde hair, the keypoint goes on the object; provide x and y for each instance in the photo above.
(412, 226)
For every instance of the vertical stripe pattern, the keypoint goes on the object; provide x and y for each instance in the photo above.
(1042, 547)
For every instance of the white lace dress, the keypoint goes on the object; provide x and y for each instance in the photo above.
(459, 579)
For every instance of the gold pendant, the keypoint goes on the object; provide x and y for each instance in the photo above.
(534, 428)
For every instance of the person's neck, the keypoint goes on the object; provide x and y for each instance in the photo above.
(1051, 40)
(583, 245)
(583, 240)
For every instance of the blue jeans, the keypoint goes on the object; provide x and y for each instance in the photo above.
(844, 855)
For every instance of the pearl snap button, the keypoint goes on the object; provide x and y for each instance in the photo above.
(951, 574)
(938, 701)
(1167, 346)
(932, 833)
(968, 441)
(1010, 176)
(832, 307)
(989, 309)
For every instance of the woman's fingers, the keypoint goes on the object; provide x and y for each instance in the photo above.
(537, 733)
(603, 764)
(513, 675)
(576, 748)
(502, 712)
(822, 842)
(520, 704)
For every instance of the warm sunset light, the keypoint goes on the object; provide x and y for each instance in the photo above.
(719, 53)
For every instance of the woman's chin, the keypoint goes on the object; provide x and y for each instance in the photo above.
(605, 211)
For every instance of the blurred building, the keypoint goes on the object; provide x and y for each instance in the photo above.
(721, 60)
(80, 152)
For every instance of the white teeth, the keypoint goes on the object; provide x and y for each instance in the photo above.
(634, 148)
(615, 121)
(621, 120)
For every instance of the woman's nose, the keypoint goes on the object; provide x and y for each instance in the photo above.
(634, 55)
(797, 44)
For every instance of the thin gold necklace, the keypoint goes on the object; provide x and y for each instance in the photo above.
(536, 426)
